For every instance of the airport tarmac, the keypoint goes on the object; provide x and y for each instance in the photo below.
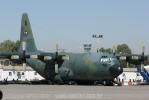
(70, 92)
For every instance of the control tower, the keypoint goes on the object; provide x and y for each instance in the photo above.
(87, 47)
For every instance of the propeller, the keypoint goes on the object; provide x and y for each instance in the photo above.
(136, 59)
(24, 56)
(56, 59)
(21, 57)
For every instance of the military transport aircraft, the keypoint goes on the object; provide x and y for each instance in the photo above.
(63, 67)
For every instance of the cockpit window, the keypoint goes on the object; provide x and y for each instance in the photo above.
(25, 23)
(105, 59)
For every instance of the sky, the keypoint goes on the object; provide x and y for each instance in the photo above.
(72, 23)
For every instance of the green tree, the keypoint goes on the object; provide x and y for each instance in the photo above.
(123, 48)
(109, 50)
(9, 46)
(17, 45)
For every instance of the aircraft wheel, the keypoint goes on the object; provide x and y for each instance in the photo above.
(104, 83)
(110, 83)
(107, 83)
(85, 82)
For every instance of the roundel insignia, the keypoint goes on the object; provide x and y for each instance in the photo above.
(25, 32)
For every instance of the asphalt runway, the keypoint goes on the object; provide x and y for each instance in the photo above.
(69, 92)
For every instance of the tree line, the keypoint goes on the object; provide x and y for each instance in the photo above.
(13, 46)
(121, 48)
(9, 46)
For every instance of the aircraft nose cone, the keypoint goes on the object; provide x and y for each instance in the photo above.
(116, 70)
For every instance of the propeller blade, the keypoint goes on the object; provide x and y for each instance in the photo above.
(56, 46)
(56, 68)
(143, 49)
(23, 45)
(24, 55)
(24, 67)
(142, 67)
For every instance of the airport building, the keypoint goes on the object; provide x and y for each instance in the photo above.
(16, 72)
(130, 76)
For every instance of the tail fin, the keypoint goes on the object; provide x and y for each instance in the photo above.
(26, 35)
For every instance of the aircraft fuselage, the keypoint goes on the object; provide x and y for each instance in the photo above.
(80, 66)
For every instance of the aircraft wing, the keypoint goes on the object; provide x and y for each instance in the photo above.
(8, 55)
(20, 57)
(12, 56)
(133, 58)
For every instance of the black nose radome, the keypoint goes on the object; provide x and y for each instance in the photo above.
(116, 70)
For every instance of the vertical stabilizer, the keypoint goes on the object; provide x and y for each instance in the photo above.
(26, 35)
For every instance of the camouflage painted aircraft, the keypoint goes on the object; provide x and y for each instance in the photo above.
(63, 67)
